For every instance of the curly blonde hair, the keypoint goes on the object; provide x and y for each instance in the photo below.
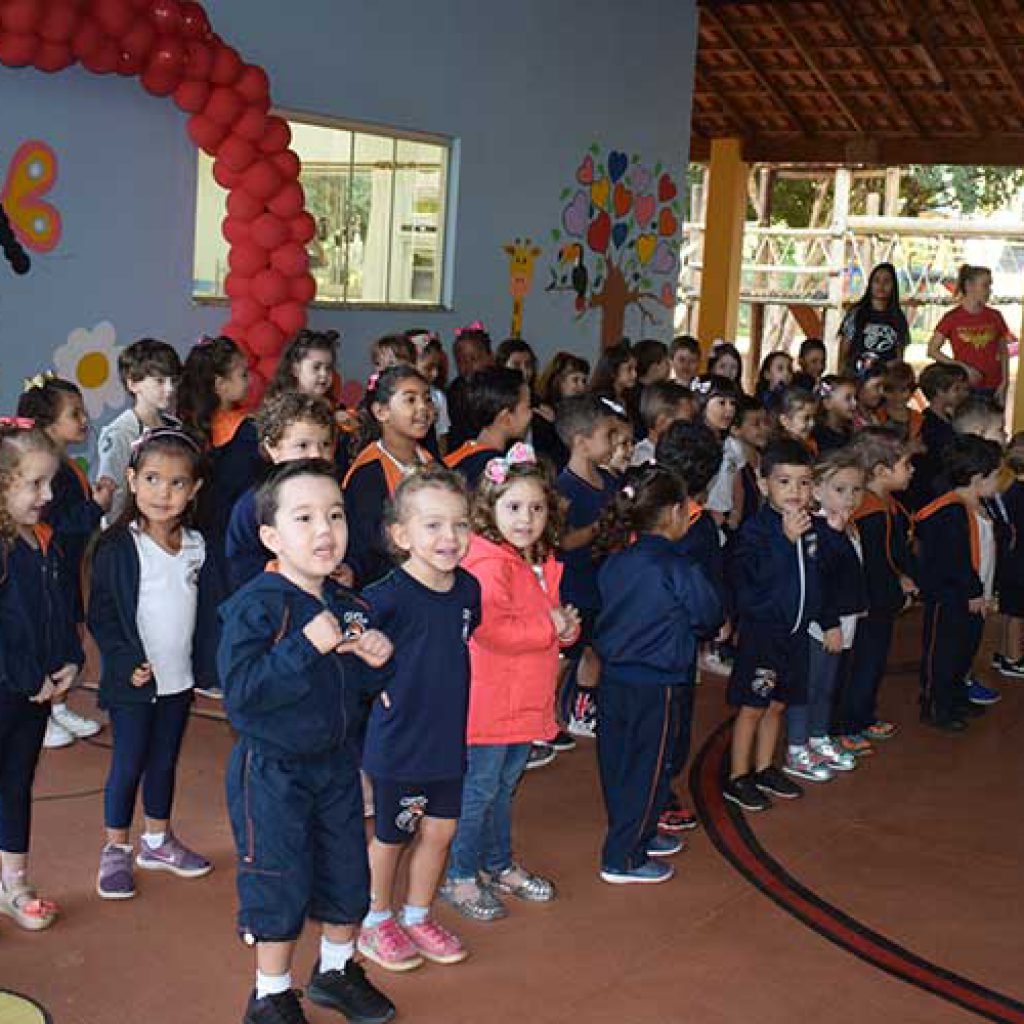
(15, 443)
(488, 492)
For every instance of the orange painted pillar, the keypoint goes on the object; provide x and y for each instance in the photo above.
(723, 242)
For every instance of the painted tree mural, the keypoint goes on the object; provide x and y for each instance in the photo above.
(618, 244)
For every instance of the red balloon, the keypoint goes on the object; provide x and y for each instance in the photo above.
(159, 82)
(194, 22)
(257, 386)
(87, 39)
(205, 133)
(290, 317)
(262, 180)
(102, 58)
(289, 202)
(59, 21)
(303, 288)
(245, 312)
(53, 57)
(114, 17)
(224, 176)
(192, 96)
(291, 259)
(236, 286)
(128, 64)
(288, 163)
(265, 338)
(269, 287)
(166, 15)
(303, 227)
(244, 206)
(169, 55)
(138, 40)
(18, 50)
(237, 154)
(277, 135)
(269, 231)
(225, 106)
(235, 332)
(22, 17)
(267, 365)
(227, 65)
(247, 259)
(237, 231)
(252, 124)
(198, 60)
(253, 84)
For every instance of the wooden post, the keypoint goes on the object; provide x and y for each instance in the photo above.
(892, 191)
(837, 261)
(765, 193)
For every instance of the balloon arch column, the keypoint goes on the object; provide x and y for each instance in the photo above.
(170, 46)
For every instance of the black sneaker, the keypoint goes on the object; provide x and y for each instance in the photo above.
(1008, 667)
(541, 754)
(351, 993)
(281, 1008)
(771, 780)
(745, 794)
(563, 741)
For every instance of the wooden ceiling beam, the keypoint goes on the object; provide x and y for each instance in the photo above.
(864, 48)
(809, 60)
(777, 98)
(997, 53)
(704, 84)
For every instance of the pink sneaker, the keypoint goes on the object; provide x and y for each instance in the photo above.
(436, 943)
(389, 946)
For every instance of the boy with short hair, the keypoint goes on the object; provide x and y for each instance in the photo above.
(750, 429)
(498, 404)
(684, 353)
(945, 387)
(660, 404)
(981, 417)
(299, 655)
(149, 370)
(652, 362)
(899, 384)
(958, 564)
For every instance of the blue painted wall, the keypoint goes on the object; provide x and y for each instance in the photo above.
(524, 86)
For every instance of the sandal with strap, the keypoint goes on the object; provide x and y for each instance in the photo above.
(31, 912)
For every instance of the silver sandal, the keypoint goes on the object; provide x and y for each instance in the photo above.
(532, 888)
(478, 903)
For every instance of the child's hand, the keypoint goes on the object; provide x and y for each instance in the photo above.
(324, 632)
(142, 675)
(837, 520)
(993, 605)
(103, 492)
(373, 647)
(724, 634)
(833, 640)
(795, 523)
(909, 586)
(45, 693)
(566, 620)
(63, 679)
(977, 606)
(344, 575)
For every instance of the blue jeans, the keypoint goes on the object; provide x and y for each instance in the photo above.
(483, 840)
(814, 717)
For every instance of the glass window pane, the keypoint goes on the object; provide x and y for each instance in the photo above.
(417, 227)
(210, 256)
(370, 217)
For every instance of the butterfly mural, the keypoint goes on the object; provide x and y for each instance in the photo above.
(27, 221)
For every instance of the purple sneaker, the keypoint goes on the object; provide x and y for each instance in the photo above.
(173, 856)
(115, 880)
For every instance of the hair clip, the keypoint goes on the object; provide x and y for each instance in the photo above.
(17, 423)
(161, 433)
(613, 406)
(40, 380)
(371, 384)
(476, 325)
(203, 340)
(630, 492)
(520, 454)
(824, 389)
(701, 386)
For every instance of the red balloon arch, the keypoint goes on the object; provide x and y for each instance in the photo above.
(170, 46)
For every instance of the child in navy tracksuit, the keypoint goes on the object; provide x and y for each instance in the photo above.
(415, 746)
(692, 452)
(299, 655)
(148, 581)
(889, 570)
(838, 491)
(774, 567)
(945, 387)
(1009, 515)
(655, 605)
(40, 655)
(74, 513)
(498, 401)
(291, 425)
(956, 542)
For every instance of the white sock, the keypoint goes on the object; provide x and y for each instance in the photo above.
(794, 751)
(376, 917)
(154, 840)
(272, 984)
(335, 955)
(414, 915)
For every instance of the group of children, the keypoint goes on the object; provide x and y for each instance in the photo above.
(406, 606)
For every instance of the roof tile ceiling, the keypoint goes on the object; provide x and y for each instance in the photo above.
(849, 80)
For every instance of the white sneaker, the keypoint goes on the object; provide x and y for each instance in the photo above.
(56, 735)
(78, 725)
(802, 764)
(826, 750)
(586, 727)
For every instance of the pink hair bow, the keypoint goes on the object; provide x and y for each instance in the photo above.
(476, 325)
(520, 454)
(17, 422)
(371, 384)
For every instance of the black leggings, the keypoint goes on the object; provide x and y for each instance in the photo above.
(22, 728)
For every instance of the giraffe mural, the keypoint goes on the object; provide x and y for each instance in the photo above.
(522, 254)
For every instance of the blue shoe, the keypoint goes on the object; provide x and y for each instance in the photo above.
(649, 873)
(978, 693)
(665, 845)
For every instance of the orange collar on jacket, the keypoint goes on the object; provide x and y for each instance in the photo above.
(952, 498)
(694, 510)
(393, 471)
(83, 480)
(464, 451)
(224, 424)
(888, 506)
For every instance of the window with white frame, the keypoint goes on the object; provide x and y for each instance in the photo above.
(380, 202)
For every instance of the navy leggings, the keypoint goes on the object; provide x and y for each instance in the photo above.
(22, 727)
(147, 741)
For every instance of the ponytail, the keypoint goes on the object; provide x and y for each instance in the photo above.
(638, 507)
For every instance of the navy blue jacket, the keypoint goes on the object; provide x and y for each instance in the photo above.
(828, 440)
(844, 589)
(1007, 513)
(282, 695)
(234, 466)
(470, 462)
(936, 435)
(656, 604)
(38, 635)
(112, 616)
(777, 582)
(703, 545)
(948, 574)
(75, 517)
(246, 555)
(885, 534)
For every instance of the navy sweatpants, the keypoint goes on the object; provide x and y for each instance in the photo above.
(680, 730)
(859, 695)
(633, 740)
(22, 728)
(951, 639)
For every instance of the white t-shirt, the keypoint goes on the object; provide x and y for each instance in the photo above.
(720, 493)
(166, 616)
(987, 554)
(643, 452)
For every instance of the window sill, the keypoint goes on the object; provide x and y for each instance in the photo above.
(371, 307)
